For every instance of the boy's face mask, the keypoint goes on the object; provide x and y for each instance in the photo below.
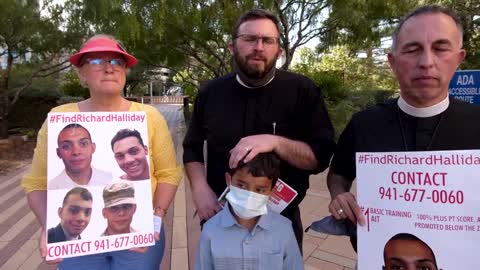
(247, 204)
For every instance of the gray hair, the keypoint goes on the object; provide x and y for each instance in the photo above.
(433, 9)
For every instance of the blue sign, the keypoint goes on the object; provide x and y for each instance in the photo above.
(465, 85)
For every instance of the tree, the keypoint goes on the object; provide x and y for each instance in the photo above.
(194, 34)
(373, 21)
(71, 86)
(26, 36)
(349, 67)
(469, 14)
(346, 87)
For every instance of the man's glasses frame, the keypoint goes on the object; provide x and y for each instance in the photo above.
(253, 39)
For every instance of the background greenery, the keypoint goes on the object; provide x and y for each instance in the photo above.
(190, 38)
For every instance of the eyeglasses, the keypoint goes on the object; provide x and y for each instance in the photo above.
(117, 208)
(253, 39)
(99, 64)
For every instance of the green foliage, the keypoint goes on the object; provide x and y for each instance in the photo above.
(355, 72)
(361, 24)
(193, 35)
(342, 111)
(189, 88)
(30, 112)
(68, 99)
(469, 14)
(29, 38)
(189, 82)
(344, 82)
(30, 132)
(71, 86)
(39, 87)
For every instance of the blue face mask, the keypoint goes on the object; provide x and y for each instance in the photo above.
(247, 204)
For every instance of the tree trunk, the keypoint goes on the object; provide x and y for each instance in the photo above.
(5, 99)
(4, 107)
(3, 128)
(370, 64)
(288, 59)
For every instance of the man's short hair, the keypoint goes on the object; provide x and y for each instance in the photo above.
(83, 192)
(262, 165)
(431, 9)
(75, 125)
(255, 14)
(125, 133)
(408, 237)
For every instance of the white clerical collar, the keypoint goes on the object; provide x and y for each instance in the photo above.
(423, 112)
(244, 85)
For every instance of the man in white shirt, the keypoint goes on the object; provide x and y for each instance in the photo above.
(131, 154)
(75, 148)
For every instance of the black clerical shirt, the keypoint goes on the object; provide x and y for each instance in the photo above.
(385, 128)
(225, 111)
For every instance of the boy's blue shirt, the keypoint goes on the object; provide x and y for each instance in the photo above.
(270, 245)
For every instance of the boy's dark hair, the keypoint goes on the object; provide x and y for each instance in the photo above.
(125, 133)
(263, 164)
(255, 14)
(83, 192)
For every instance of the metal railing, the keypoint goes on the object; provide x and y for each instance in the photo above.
(159, 99)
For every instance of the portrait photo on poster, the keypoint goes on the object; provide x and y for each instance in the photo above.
(406, 251)
(99, 188)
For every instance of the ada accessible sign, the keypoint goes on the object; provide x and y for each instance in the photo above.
(465, 85)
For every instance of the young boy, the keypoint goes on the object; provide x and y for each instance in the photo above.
(244, 234)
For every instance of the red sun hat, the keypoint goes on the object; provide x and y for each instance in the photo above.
(102, 44)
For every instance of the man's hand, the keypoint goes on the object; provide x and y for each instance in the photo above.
(248, 147)
(205, 201)
(42, 246)
(344, 205)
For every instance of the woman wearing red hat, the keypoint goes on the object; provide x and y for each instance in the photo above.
(102, 65)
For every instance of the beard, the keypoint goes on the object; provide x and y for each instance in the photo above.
(253, 71)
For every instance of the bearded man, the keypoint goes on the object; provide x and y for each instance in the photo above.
(257, 109)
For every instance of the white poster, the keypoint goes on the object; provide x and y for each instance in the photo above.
(422, 210)
(99, 189)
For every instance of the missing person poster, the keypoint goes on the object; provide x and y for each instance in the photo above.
(99, 189)
(422, 210)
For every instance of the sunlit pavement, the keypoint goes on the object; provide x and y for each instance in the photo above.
(19, 229)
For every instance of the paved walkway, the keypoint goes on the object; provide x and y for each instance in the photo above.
(19, 230)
